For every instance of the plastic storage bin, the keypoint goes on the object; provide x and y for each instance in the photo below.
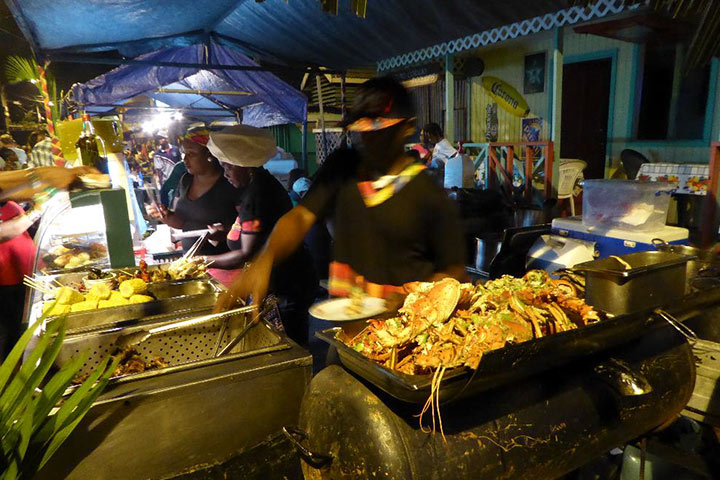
(625, 204)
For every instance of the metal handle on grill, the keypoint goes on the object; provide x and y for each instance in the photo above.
(314, 459)
(692, 338)
(626, 381)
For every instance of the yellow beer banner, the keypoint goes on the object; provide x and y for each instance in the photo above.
(506, 96)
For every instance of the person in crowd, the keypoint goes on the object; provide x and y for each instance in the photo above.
(9, 158)
(392, 224)
(441, 149)
(167, 150)
(41, 154)
(17, 253)
(261, 201)
(169, 186)
(293, 175)
(203, 197)
(8, 141)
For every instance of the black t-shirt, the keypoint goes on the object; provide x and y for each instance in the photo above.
(259, 206)
(217, 205)
(412, 235)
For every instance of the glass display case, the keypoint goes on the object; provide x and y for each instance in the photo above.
(83, 230)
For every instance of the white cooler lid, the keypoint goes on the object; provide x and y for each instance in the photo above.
(666, 233)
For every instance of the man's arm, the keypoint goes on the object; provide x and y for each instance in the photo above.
(16, 226)
(285, 239)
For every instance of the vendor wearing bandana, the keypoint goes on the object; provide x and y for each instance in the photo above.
(392, 224)
(203, 196)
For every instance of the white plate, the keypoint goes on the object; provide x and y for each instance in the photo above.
(335, 309)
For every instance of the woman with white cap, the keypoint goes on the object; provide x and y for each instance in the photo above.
(242, 151)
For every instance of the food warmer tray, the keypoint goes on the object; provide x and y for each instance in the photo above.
(176, 296)
(183, 350)
(515, 362)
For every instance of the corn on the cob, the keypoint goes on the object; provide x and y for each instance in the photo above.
(52, 309)
(141, 299)
(84, 306)
(114, 301)
(68, 296)
(131, 287)
(101, 291)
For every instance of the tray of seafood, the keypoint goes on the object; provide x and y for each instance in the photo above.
(453, 340)
(117, 300)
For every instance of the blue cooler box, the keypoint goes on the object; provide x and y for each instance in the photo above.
(571, 243)
(616, 241)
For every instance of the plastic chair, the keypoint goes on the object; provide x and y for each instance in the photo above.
(631, 162)
(570, 171)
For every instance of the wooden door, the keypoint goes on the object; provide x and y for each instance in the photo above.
(585, 104)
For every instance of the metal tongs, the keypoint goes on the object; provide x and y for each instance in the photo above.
(692, 338)
(196, 246)
(135, 338)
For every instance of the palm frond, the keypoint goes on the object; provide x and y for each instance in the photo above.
(21, 69)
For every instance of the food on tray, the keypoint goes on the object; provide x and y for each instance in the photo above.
(187, 268)
(68, 296)
(52, 309)
(101, 291)
(130, 362)
(73, 255)
(84, 306)
(128, 288)
(99, 296)
(447, 324)
(97, 274)
(140, 299)
(182, 270)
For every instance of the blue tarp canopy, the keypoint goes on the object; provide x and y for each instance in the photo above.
(294, 32)
(205, 94)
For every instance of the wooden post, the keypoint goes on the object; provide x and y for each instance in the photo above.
(492, 165)
(449, 129)
(529, 164)
(549, 157)
(709, 224)
(510, 167)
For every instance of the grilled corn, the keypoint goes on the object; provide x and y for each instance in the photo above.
(84, 306)
(68, 296)
(141, 299)
(131, 287)
(101, 291)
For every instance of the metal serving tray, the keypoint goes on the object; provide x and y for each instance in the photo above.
(515, 362)
(183, 349)
(178, 296)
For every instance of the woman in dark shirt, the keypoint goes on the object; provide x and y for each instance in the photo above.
(242, 151)
(204, 197)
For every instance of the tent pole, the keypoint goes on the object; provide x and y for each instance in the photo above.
(322, 116)
(304, 144)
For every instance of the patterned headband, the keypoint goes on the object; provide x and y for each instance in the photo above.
(200, 136)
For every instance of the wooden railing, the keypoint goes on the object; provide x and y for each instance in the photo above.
(495, 165)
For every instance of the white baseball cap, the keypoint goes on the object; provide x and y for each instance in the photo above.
(242, 145)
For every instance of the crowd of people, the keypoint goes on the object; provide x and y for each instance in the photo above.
(36, 153)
